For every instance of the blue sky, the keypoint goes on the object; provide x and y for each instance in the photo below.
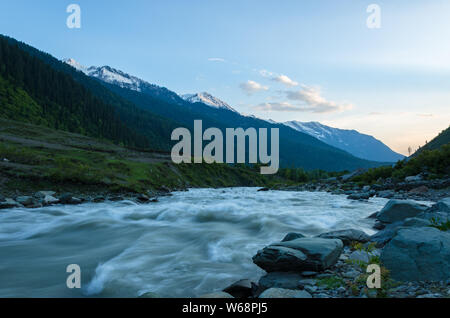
(284, 60)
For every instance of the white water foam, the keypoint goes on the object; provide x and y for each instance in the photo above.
(192, 243)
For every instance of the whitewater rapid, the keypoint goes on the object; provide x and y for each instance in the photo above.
(192, 243)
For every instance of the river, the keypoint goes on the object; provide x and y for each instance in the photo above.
(185, 245)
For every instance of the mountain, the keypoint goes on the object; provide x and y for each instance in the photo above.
(297, 149)
(206, 99)
(37, 88)
(116, 77)
(360, 145)
(442, 139)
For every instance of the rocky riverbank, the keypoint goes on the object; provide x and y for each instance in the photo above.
(49, 198)
(412, 250)
(414, 187)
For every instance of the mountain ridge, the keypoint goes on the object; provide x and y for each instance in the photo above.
(358, 144)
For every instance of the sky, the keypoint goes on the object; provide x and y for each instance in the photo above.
(280, 60)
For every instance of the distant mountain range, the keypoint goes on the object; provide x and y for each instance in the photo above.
(360, 145)
(110, 104)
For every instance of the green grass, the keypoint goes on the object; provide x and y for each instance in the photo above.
(45, 157)
(441, 226)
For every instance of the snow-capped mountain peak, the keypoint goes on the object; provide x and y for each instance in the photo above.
(358, 144)
(108, 75)
(206, 99)
(76, 65)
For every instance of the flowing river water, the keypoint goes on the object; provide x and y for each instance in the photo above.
(192, 243)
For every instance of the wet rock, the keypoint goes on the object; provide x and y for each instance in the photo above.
(388, 194)
(347, 236)
(416, 222)
(303, 254)
(373, 215)
(49, 200)
(386, 234)
(287, 280)
(306, 282)
(421, 189)
(263, 190)
(25, 201)
(379, 225)
(10, 204)
(418, 254)
(67, 198)
(244, 288)
(359, 196)
(143, 198)
(398, 210)
(98, 199)
(284, 293)
(309, 274)
(442, 206)
(292, 236)
(116, 198)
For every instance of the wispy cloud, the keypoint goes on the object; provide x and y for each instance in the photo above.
(216, 59)
(251, 87)
(283, 79)
(312, 101)
(280, 78)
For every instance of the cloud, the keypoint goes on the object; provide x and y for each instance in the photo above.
(251, 87)
(312, 101)
(425, 115)
(216, 59)
(283, 79)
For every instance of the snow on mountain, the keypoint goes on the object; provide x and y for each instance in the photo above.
(108, 75)
(360, 145)
(206, 99)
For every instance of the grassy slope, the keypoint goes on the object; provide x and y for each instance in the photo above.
(41, 158)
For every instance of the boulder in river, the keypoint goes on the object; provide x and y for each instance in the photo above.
(25, 200)
(67, 198)
(398, 210)
(292, 236)
(418, 254)
(49, 200)
(303, 254)
(347, 236)
(241, 289)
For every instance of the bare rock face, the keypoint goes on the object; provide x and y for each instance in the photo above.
(303, 254)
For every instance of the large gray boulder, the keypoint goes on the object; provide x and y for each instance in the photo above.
(398, 210)
(347, 236)
(303, 254)
(284, 293)
(418, 254)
